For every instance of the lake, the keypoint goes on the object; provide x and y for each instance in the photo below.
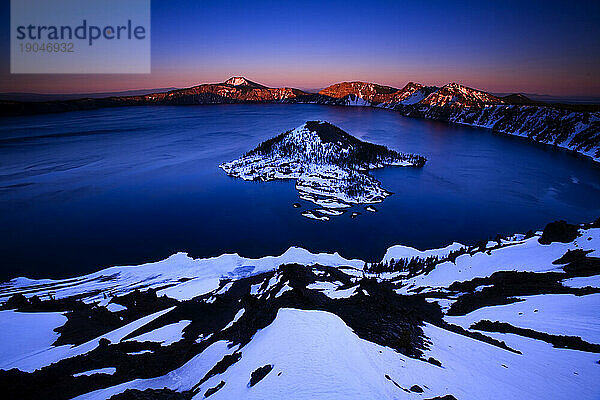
(86, 190)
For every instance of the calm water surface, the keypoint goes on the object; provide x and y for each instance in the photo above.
(85, 190)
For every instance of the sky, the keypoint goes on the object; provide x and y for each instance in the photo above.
(543, 47)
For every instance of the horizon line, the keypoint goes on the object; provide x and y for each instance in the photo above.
(314, 90)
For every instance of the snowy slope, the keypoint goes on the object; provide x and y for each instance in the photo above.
(508, 320)
(25, 334)
(575, 131)
(204, 275)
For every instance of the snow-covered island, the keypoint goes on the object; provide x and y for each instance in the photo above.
(329, 165)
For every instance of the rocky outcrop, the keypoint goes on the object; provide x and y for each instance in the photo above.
(370, 92)
(456, 95)
(577, 131)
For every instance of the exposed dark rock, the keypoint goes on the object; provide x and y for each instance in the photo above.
(214, 389)
(579, 264)
(559, 231)
(389, 378)
(504, 286)
(433, 361)
(17, 301)
(152, 394)
(259, 373)
(572, 256)
(86, 322)
(35, 304)
(416, 389)
(477, 336)
(560, 341)
(222, 366)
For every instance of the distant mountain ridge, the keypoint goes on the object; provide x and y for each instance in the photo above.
(575, 127)
(39, 97)
(555, 99)
(241, 89)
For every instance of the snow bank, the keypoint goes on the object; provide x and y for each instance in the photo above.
(23, 334)
(165, 335)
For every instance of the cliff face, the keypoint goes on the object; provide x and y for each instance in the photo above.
(574, 130)
(577, 131)
(363, 93)
(367, 91)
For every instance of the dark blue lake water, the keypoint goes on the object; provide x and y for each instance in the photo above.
(86, 190)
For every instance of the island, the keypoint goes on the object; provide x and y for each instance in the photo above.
(330, 166)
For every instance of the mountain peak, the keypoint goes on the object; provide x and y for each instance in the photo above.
(413, 84)
(312, 131)
(365, 90)
(457, 95)
(241, 81)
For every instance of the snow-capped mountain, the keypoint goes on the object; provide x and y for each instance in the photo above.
(513, 318)
(370, 92)
(412, 93)
(453, 94)
(329, 165)
(241, 81)
(234, 90)
(456, 95)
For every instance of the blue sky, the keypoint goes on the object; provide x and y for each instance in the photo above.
(544, 47)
